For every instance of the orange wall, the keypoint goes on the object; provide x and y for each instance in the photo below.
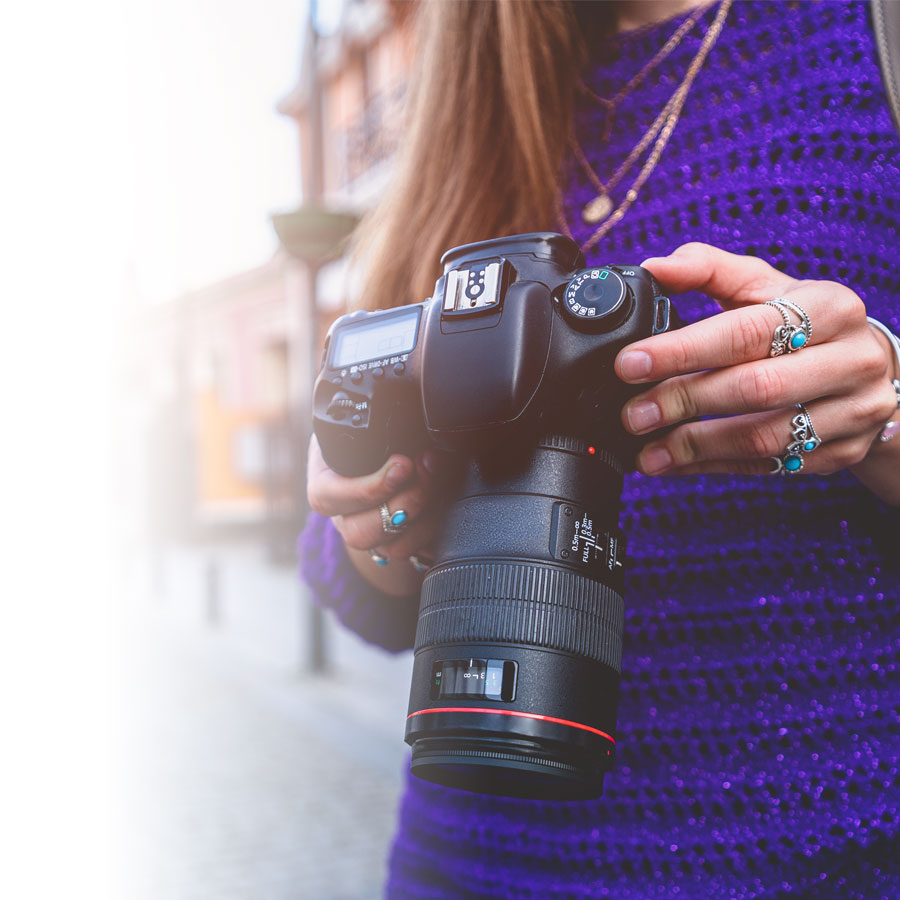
(217, 480)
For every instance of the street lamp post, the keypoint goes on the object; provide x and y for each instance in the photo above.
(315, 235)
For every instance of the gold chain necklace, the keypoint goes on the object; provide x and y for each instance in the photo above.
(600, 209)
(610, 103)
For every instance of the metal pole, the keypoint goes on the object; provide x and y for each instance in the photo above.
(316, 647)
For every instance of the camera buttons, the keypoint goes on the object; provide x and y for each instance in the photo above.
(598, 297)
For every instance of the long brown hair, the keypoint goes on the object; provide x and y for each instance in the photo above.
(489, 119)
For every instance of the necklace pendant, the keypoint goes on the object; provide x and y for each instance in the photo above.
(597, 210)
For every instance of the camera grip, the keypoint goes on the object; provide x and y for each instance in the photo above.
(359, 426)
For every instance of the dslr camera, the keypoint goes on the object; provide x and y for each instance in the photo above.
(518, 650)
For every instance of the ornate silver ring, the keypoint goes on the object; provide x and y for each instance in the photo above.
(788, 337)
(803, 440)
(420, 562)
(393, 523)
(378, 558)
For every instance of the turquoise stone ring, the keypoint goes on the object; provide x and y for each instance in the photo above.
(393, 523)
(789, 337)
(805, 440)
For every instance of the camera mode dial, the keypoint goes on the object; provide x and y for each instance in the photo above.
(599, 298)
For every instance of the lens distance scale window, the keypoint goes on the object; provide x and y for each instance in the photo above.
(474, 679)
(573, 540)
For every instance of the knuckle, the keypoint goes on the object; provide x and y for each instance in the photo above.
(762, 441)
(315, 499)
(846, 303)
(847, 454)
(353, 532)
(760, 387)
(349, 530)
(374, 492)
(872, 362)
(866, 409)
(683, 355)
(678, 401)
(749, 337)
(684, 446)
(692, 248)
(370, 490)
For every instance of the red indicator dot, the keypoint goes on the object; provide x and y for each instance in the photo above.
(592, 450)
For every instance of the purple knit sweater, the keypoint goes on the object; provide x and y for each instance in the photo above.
(759, 727)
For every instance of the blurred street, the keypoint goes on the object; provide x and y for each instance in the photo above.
(246, 777)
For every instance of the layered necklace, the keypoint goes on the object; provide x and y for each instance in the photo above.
(601, 210)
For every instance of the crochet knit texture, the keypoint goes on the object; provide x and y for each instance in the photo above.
(758, 729)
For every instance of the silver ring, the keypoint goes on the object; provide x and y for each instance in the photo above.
(377, 558)
(393, 523)
(804, 439)
(420, 562)
(788, 338)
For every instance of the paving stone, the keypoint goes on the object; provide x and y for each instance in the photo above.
(241, 778)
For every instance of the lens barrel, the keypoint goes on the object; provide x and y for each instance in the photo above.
(518, 650)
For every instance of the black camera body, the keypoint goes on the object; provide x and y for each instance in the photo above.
(518, 338)
(510, 363)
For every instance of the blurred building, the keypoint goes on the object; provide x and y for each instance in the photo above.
(228, 368)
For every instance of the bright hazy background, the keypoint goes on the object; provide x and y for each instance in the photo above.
(141, 156)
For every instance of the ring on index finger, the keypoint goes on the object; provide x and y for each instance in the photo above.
(789, 337)
(393, 523)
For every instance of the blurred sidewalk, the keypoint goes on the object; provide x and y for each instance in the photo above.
(244, 778)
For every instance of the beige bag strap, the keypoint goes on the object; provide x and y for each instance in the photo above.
(886, 19)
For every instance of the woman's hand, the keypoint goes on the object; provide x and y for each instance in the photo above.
(721, 367)
(353, 504)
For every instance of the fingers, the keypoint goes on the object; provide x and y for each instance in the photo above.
(826, 460)
(742, 335)
(419, 536)
(353, 503)
(845, 368)
(747, 443)
(731, 279)
(331, 494)
(364, 530)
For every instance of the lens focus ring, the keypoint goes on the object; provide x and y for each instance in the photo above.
(522, 603)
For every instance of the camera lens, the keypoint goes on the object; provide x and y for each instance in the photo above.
(518, 649)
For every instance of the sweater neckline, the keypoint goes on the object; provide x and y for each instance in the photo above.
(653, 28)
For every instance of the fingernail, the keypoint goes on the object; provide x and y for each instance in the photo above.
(655, 459)
(635, 364)
(642, 416)
(397, 475)
(651, 259)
